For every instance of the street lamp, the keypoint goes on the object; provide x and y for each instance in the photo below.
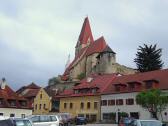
(117, 115)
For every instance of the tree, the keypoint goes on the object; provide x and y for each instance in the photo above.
(154, 100)
(81, 76)
(53, 81)
(148, 58)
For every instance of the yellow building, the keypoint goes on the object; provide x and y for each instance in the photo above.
(85, 98)
(42, 102)
(87, 106)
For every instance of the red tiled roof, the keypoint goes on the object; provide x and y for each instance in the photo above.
(8, 94)
(33, 86)
(86, 33)
(96, 47)
(158, 75)
(31, 93)
(98, 81)
(30, 86)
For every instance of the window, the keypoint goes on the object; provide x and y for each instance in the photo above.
(44, 106)
(53, 118)
(1, 114)
(130, 101)
(23, 115)
(111, 102)
(76, 91)
(12, 103)
(119, 102)
(117, 88)
(12, 115)
(40, 106)
(44, 118)
(104, 102)
(94, 90)
(36, 107)
(82, 105)
(41, 95)
(131, 86)
(23, 103)
(1, 101)
(95, 105)
(65, 105)
(88, 105)
(149, 85)
(71, 105)
(35, 119)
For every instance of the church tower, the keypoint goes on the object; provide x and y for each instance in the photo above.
(85, 37)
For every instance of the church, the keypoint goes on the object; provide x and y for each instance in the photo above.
(92, 57)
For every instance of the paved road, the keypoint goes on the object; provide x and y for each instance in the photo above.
(99, 125)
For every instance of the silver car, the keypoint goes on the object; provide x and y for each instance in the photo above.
(44, 120)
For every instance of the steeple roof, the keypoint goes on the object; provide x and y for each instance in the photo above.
(85, 33)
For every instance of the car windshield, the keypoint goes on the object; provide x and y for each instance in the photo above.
(23, 123)
(150, 123)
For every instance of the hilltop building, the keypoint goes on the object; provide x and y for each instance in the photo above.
(92, 56)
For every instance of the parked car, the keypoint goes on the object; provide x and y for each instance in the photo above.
(44, 120)
(146, 123)
(60, 121)
(80, 120)
(15, 122)
(66, 118)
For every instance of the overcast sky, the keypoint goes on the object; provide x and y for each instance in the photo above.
(36, 36)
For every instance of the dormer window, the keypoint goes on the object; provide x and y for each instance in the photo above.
(94, 90)
(23, 103)
(12, 103)
(76, 91)
(120, 87)
(117, 88)
(131, 86)
(150, 83)
(1, 101)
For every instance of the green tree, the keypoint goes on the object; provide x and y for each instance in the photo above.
(148, 58)
(154, 100)
(53, 81)
(81, 76)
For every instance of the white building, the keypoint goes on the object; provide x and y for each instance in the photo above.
(11, 104)
(121, 94)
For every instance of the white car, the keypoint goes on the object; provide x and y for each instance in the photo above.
(44, 120)
(145, 123)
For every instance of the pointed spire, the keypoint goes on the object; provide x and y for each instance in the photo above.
(68, 62)
(86, 33)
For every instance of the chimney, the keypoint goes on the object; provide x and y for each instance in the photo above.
(3, 83)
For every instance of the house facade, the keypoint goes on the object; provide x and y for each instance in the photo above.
(11, 104)
(120, 95)
(42, 102)
(85, 98)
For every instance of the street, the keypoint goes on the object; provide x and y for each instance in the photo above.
(99, 125)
